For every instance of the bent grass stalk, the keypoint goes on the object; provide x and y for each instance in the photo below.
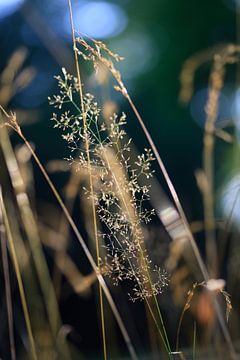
(221, 56)
(95, 54)
(12, 122)
(122, 89)
(226, 56)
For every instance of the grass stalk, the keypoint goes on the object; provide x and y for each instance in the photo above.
(194, 340)
(90, 179)
(34, 241)
(163, 336)
(19, 279)
(172, 190)
(7, 285)
(216, 84)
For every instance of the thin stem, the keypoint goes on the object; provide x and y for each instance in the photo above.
(168, 350)
(216, 84)
(194, 339)
(172, 190)
(19, 280)
(186, 226)
(90, 177)
(179, 328)
(120, 191)
(153, 337)
(7, 285)
(4, 111)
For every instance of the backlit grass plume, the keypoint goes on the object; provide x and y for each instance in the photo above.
(120, 198)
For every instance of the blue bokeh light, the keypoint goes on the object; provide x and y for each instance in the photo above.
(7, 7)
(36, 93)
(142, 49)
(198, 105)
(98, 19)
(140, 52)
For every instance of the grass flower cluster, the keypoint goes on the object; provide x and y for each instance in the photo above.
(121, 192)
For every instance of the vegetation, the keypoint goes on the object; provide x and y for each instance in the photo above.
(116, 185)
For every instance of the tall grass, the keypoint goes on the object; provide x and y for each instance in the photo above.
(118, 191)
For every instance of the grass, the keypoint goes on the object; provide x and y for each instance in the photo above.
(116, 187)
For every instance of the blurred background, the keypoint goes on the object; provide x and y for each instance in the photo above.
(155, 37)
